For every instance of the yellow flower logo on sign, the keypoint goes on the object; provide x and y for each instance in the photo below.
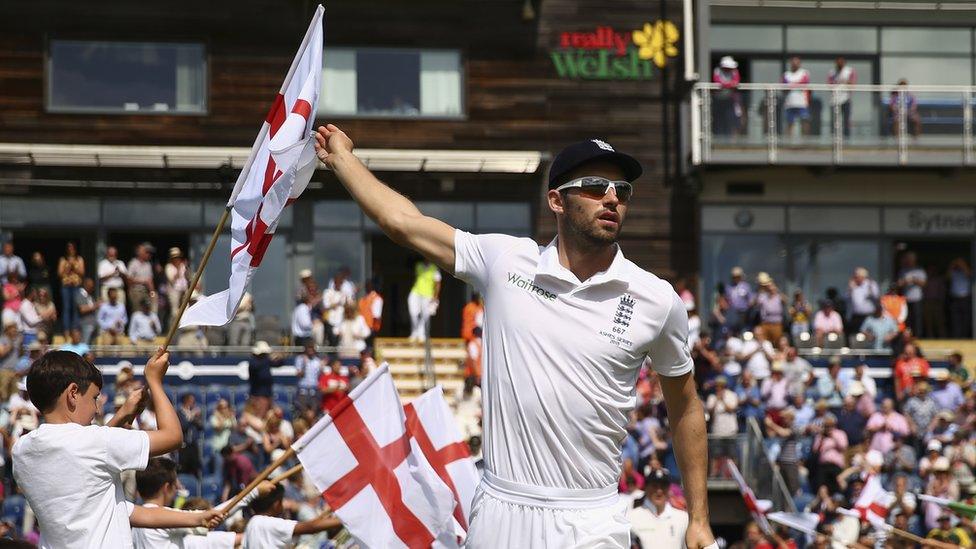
(657, 41)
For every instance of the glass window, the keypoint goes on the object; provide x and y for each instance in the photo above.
(925, 40)
(754, 253)
(388, 82)
(731, 38)
(16, 212)
(337, 214)
(334, 249)
(933, 70)
(821, 263)
(145, 213)
(504, 217)
(844, 40)
(126, 77)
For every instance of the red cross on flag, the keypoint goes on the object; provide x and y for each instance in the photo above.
(757, 508)
(372, 473)
(281, 163)
(431, 423)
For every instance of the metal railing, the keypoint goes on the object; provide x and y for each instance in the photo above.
(762, 474)
(842, 124)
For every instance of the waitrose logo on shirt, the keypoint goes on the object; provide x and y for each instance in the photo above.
(523, 283)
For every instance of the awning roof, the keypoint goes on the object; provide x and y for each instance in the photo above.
(141, 156)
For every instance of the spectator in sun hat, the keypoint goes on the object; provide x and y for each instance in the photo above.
(863, 294)
(740, 297)
(771, 304)
(727, 101)
(947, 394)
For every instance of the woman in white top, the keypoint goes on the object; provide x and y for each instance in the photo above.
(352, 333)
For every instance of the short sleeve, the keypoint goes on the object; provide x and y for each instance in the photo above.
(125, 448)
(669, 352)
(474, 255)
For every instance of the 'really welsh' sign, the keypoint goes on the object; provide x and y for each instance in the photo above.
(605, 53)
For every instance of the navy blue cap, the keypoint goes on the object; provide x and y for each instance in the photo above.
(658, 476)
(577, 154)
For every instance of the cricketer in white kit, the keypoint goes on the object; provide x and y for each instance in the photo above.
(566, 329)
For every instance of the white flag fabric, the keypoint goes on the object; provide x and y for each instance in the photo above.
(431, 423)
(873, 502)
(281, 163)
(757, 507)
(372, 473)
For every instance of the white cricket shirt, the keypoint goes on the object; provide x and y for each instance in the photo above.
(661, 531)
(561, 357)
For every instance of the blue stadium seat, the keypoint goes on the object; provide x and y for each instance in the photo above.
(211, 487)
(191, 484)
(240, 397)
(215, 393)
(13, 509)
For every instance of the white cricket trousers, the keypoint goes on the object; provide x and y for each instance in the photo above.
(517, 516)
(419, 308)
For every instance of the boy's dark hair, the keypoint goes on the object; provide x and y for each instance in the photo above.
(197, 504)
(157, 473)
(51, 374)
(264, 503)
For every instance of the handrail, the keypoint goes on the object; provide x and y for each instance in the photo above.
(920, 88)
(780, 495)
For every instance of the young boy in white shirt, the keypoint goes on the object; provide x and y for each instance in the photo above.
(158, 484)
(266, 530)
(70, 469)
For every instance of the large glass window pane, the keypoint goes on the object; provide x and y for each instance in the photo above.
(822, 263)
(126, 77)
(440, 83)
(455, 214)
(338, 82)
(17, 212)
(337, 214)
(504, 217)
(156, 213)
(842, 40)
(731, 38)
(933, 70)
(388, 82)
(754, 253)
(925, 39)
(334, 249)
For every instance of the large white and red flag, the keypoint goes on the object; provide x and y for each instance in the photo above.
(757, 507)
(431, 423)
(279, 168)
(372, 472)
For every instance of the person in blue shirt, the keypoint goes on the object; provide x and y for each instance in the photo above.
(750, 400)
(77, 346)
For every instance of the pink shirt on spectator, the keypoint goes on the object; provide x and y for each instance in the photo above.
(831, 447)
(886, 427)
(828, 323)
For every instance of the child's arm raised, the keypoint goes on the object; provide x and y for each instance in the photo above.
(164, 517)
(325, 521)
(169, 434)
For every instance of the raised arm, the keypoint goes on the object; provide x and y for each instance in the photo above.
(395, 214)
(169, 434)
(163, 517)
(325, 521)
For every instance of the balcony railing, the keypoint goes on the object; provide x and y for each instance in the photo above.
(863, 125)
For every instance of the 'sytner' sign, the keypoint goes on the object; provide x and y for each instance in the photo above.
(607, 54)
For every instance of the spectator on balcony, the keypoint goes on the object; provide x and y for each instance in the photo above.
(177, 280)
(863, 296)
(142, 286)
(144, 327)
(933, 304)
(755, 353)
(797, 101)
(727, 101)
(111, 272)
(371, 309)
(880, 330)
(71, 271)
(895, 305)
(947, 393)
(842, 76)
(800, 315)
(301, 322)
(422, 301)
(908, 368)
(38, 273)
(87, 310)
(960, 281)
(771, 305)
(902, 98)
(112, 317)
(339, 293)
(11, 264)
(827, 321)
(740, 297)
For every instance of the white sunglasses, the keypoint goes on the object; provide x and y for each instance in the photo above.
(597, 187)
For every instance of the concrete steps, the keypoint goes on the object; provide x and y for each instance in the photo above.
(406, 361)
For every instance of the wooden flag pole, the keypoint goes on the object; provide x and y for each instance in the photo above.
(196, 277)
(288, 454)
(287, 474)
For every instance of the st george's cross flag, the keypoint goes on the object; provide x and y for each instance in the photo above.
(279, 168)
(372, 473)
(757, 507)
(431, 423)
